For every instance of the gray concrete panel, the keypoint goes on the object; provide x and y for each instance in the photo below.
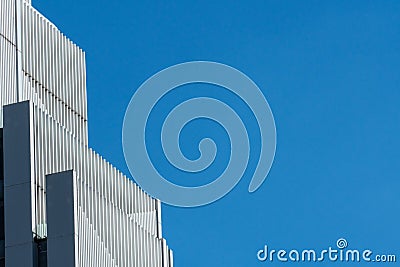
(17, 214)
(61, 219)
(61, 204)
(17, 143)
(61, 252)
(20, 256)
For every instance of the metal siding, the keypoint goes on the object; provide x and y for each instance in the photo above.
(62, 238)
(118, 223)
(51, 61)
(7, 20)
(8, 80)
(100, 185)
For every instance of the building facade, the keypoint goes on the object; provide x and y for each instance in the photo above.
(61, 203)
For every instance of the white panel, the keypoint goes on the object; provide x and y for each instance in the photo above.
(7, 20)
(52, 62)
(8, 81)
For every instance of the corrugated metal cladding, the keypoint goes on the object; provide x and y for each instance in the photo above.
(8, 56)
(118, 224)
(52, 68)
(7, 20)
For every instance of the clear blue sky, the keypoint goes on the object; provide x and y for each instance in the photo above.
(331, 73)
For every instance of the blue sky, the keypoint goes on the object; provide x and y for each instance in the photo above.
(330, 72)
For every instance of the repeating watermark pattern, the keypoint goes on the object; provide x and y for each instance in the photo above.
(339, 254)
(151, 91)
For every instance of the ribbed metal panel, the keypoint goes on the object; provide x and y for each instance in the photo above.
(123, 241)
(54, 68)
(8, 77)
(7, 20)
(49, 48)
(50, 67)
(60, 112)
(117, 218)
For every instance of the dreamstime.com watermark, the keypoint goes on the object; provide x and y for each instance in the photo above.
(340, 253)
